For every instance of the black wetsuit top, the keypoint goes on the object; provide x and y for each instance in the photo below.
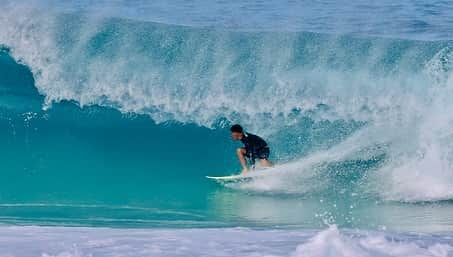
(255, 146)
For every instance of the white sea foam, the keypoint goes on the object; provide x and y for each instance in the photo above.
(331, 243)
(78, 242)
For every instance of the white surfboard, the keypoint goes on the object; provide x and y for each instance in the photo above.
(238, 177)
(228, 178)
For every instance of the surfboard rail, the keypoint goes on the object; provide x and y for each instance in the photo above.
(237, 177)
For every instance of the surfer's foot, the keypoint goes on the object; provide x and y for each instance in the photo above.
(245, 171)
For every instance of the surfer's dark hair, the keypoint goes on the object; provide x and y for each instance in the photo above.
(236, 128)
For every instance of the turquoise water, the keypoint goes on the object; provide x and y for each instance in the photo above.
(111, 115)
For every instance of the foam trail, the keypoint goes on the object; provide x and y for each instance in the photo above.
(308, 175)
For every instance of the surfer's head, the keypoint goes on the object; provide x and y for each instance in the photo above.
(237, 132)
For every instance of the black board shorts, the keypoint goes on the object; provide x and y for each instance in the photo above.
(262, 153)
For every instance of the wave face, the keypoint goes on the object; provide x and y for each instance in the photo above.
(102, 114)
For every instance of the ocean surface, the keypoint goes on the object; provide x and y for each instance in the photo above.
(113, 112)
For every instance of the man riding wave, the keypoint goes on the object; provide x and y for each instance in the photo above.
(254, 148)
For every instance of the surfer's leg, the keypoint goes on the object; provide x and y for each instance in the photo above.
(266, 163)
(241, 156)
(264, 157)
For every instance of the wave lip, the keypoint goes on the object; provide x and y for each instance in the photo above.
(203, 75)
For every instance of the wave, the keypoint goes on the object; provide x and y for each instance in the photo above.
(377, 107)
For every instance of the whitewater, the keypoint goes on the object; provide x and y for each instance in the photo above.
(112, 113)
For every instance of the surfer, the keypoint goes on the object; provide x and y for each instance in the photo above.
(254, 148)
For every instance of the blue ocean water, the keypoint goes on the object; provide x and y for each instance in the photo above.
(113, 112)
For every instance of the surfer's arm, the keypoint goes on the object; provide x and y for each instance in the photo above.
(242, 153)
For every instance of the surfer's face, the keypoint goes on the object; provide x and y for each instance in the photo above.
(236, 136)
